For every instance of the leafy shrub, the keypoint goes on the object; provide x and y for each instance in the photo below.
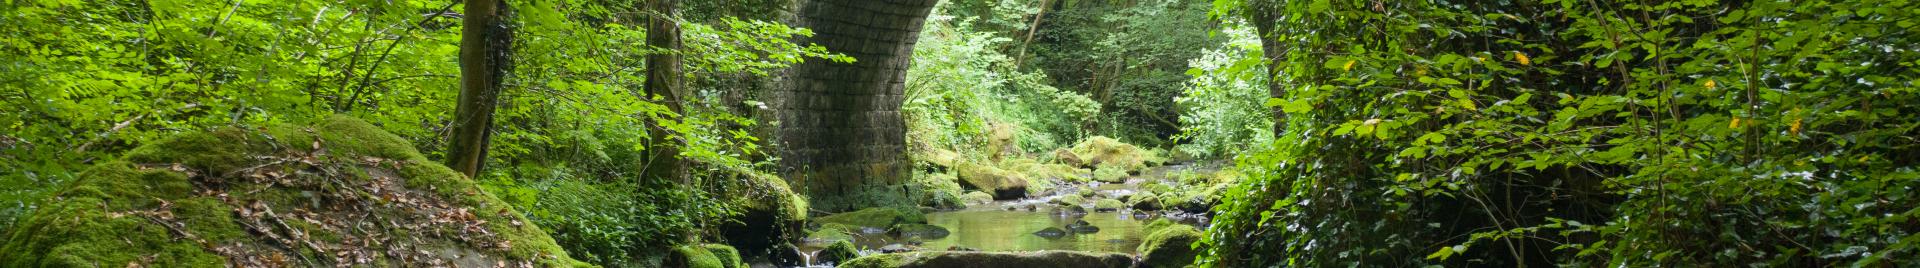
(1221, 108)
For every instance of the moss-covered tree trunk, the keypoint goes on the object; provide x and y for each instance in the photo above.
(486, 44)
(664, 165)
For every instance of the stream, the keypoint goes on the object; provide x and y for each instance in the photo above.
(1009, 225)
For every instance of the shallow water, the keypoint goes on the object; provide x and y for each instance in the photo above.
(991, 227)
(999, 230)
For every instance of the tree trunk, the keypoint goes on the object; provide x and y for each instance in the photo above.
(486, 45)
(1264, 22)
(1031, 29)
(664, 82)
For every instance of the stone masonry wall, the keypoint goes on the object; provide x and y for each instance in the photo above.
(838, 127)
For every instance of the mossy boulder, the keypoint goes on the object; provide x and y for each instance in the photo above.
(1000, 140)
(838, 252)
(277, 196)
(939, 190)
(1041, 177)
(1182, 201)
(977, 197)
(942, 158)
(693, 256)
(1100, 151)
(1107, 205)
(946, 259)
(787, 255)
(1069, 200)
(1051, 232)
(1144, 202)
(1082, 227)
(1066, 156)
(1156, 224)
(1001, 183)
(881, 218)
(1070, 210)
(915, 230)
(729, 257)
(833, 232)
(1109, 174)
(1170, 246)
(771, 212)
(1037, 187)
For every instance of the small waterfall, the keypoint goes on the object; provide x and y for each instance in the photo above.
(807, 258)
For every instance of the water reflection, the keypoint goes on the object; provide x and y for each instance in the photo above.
(991, 230)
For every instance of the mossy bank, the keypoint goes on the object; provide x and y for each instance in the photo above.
(336, 192)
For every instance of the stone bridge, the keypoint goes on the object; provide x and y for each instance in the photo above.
(838, 128)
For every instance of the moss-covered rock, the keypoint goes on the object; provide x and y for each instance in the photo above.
(1037, 187)
(1101, 151)
(1182, 201)
(1001, 183)
(1069, 200)
(1000, 140)
(693, 256)
(1042, 177)
(1144, 202)
(1107, 205)
(914, 230)
(1170, 246)
(938, 157)
(276, 196)
(771, 212)
(1156, 224)
(1082, 227)
(830, 232)
(977, 197)
(1070, 210)
(1051, 232)
(881, 218)
(838, 252)
(945, 259)
(1109, 174)
(939, 190)
(787, 255)
(729, 257)
(1043, 171)
(1066, 156)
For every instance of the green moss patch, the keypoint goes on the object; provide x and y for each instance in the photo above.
(336, 192)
